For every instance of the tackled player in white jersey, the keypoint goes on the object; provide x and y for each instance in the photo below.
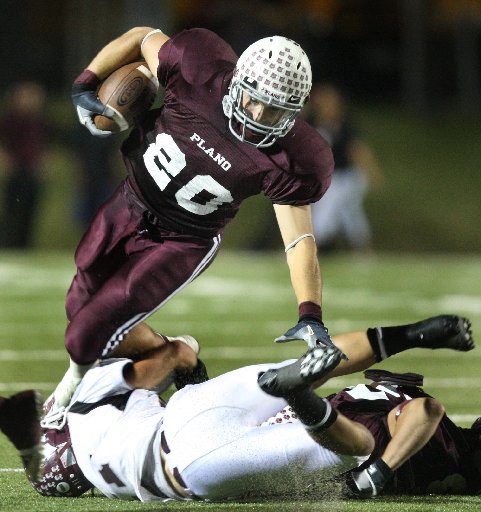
(213, 440)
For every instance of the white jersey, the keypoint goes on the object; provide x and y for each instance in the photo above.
(115, 434)
(211, 434)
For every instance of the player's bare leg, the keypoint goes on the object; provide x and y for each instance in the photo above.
(161, 362)
(139, 343)
(344, 436)
(364, 348)
(411, 425)
(323, 423)
(142, 339)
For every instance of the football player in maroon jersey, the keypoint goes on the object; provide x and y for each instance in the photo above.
(228, 129)
(418, 449)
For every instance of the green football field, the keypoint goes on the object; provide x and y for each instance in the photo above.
(235, 310)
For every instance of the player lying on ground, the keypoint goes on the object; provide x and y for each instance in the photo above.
(128, 444)
(419, 450)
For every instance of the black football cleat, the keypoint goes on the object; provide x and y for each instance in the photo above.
(444, 331)
(20, 422)
(312, 366)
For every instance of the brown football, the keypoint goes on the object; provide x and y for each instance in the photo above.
(130, 91)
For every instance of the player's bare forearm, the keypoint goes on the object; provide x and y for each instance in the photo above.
(304, 270)
(118, 52)
(346, 437)
(295, 225)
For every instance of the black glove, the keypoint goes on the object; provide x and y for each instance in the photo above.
(312, 331)
(87, 103)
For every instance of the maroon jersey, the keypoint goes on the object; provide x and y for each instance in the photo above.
(186, 166)
(450, 451)
(187, 177)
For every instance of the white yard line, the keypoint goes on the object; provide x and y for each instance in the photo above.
(33, 355)
(333, 384)
(265, 353)
(16, 280)
(20, 386)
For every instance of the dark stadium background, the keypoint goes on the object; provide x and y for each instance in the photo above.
(411, 69)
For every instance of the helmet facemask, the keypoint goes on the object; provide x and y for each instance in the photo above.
(271, 84)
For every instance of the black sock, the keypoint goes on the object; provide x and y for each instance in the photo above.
(314, 412)
(387, 341)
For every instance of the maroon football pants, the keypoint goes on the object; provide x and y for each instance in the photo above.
(124, 275)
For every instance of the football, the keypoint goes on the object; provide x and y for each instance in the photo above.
(130, 91)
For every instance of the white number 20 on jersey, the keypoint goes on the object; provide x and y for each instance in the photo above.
(164, 160)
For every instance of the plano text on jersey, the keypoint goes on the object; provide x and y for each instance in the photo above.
(217, 157)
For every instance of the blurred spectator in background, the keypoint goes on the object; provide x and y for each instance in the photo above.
(97, 175)
(340, 217)
(23, 140)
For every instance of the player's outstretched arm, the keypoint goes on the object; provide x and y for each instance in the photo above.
(295, 222)
(295, 225)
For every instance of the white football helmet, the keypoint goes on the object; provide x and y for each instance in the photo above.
(274, 74)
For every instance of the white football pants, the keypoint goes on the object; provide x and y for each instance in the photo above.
(216, 441)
